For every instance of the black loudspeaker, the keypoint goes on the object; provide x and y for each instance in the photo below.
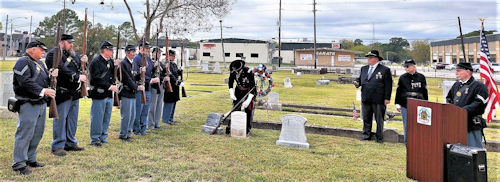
(465, 164)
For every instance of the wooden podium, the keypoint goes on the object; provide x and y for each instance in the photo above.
(430, 126)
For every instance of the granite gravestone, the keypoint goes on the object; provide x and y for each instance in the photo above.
(323, 82)
(274, 101)
(217, 68)
(213, 120)
(288, 83)
(6, 87)
(239, 124)
(293, 132)
(204, 67)
(299, 74)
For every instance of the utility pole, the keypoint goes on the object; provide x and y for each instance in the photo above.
(279, 38)
(31, 25)
(315, 55)
(11, 37)
(373, 32)
(222, 45)
(5, 38)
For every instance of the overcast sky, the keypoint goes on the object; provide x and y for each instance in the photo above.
(336, 19)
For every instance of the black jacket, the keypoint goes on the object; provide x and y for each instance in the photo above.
(149, 69)
(129, 79)
(378, 87)
(472, 96)
(101, 77)
(244, 82)
(160, 72)
(174, 81)
(68, 79)
(411, 86)
(30, 77)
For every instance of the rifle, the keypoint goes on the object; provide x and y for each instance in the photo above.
(231, 111)
(168, 85)
(116, 100)
(182, 77)
(158, 67)
(143, 73)
(83, 85)
(53, 80)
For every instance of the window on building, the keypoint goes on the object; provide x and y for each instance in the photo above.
(227, 54)
(207, 54)
(471, 58)
(254, 55)
(239, 55)
(493, 58)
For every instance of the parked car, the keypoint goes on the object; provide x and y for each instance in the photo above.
(441, 66)
(475, 67)
(433, 65)
(495, 67)
(451, 67)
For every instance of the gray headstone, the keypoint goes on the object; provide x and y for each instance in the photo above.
(446, 85)
(337, 70)
(217, 68)
(6, 87)
(226, 80)
(293, 71)
(213, 120)
(293, 132)
(299, 74)
(204, 67)
(274, 68)
(323, 82)
(288, 83)
(348, 71)
(239, 124)
(274, 101)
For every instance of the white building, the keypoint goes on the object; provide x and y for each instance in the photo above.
(252, 51)
(288, 50)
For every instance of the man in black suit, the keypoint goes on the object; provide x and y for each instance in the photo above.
(376, 87)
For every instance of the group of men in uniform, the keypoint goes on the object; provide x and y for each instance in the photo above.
(376, 88)
(32, 89)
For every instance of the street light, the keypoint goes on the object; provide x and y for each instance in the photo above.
(5, 37)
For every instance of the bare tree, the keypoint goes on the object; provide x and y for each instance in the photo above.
(179, 16)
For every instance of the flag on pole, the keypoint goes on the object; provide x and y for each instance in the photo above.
(486, 72)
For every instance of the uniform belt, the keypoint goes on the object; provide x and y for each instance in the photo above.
(414, 94)
(243, 88)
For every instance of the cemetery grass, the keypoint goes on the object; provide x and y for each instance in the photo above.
(181, 152)
(7, 65)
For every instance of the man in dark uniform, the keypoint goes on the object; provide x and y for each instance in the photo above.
(170, 98)
(102, 86)
(471, 95)
(156, 106)
(245, 82)
(141, 113)
(129, 79)
(31, 86)
(410, 85)
(68, 94)
(376, 88)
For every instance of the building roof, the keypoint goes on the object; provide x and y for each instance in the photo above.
(303, 45)
(234, 40)
(467, 40)
(331, 49)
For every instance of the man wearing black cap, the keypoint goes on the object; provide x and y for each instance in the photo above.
(170, 98)
(156, 106)
(102, 86)
(376, 88)
(245, 83)
(67, 99)
(129, 80)
(141, 114)
(410, 85)
(31, 86)
(471, 95)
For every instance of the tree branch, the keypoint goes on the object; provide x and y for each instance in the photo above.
(132, 18)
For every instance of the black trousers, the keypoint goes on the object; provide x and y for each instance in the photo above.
(368, 110)
(249, 113)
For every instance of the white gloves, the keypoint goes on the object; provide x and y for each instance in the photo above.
(181, 84)
(245, 104)
(231, 94)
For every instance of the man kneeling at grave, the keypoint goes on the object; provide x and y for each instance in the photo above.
(245, 83)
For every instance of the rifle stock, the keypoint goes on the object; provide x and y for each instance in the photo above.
(168, 85)
(53, 80)
(83, 85)
(143, 73)
(158, 67)
(116, 100)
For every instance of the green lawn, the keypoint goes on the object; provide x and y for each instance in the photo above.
(182, 153)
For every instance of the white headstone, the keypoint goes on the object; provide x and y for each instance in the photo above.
(293, 71)
(217, 68)
(274, 101)
(239, 124)
(204, 67)
(288, 83)
(213, 120)
(323, 82)
(299, 74)
(6, 87)
(446, 85)
(199, 64)
(293, 132)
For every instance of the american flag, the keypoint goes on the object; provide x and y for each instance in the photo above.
(486, 73)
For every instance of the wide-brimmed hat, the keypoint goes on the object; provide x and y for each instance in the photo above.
(464, 66)
(236, 65)
(374, 53)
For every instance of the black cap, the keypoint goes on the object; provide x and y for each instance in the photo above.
(171, 52)
(130, 48)
(67, 37)
(36, 43)
(144, 44)
(106, 45)
(156, 49)
(374, 53)
(236, 65)
(464, 66)
(409, 62)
